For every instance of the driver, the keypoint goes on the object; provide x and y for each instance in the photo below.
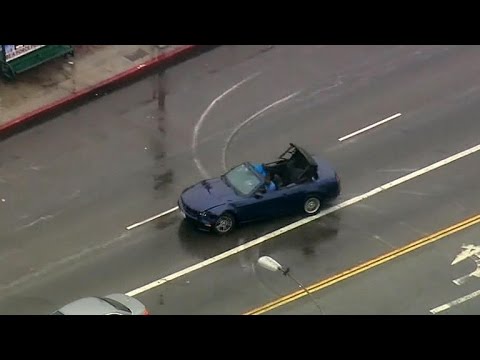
(269, 184)
(260, 168)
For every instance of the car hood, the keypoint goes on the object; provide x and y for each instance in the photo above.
(207, 194)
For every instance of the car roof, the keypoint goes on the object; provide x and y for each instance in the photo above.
(88, 306)
(305, 154)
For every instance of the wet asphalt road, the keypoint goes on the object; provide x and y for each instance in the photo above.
(338, 242)
(71, 185)
(416, 284)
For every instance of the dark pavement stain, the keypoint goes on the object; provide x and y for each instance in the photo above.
(160, 155)
(160, 90)
(163, 179)
(163, 175)
(166, 221)
(306, 238)
(308, 250)
(204, 244)
(138, 54)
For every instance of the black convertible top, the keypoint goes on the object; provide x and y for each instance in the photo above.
(296, 151)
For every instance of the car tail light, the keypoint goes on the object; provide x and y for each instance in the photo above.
(145, 312)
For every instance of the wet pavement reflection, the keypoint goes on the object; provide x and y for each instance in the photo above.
(163, 173)
(204, 245)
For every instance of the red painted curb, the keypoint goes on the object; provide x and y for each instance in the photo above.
(123, 76)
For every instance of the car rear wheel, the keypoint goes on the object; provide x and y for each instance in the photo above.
(224, 224)
(312, 205)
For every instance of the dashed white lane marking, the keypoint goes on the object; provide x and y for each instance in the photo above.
(130, 227)
(369, 127)
(303, 221)
(456, 302)
(198, 125)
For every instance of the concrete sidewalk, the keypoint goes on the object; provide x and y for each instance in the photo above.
(61, 81)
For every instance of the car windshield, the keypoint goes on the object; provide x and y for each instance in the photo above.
(243, 179)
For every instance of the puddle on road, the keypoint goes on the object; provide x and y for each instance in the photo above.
(204, 245)
(163, 175)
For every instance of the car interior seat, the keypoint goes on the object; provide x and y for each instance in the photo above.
(277, 180)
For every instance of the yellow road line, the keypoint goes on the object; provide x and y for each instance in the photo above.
(367, 265)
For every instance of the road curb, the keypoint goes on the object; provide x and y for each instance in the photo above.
(124, 76)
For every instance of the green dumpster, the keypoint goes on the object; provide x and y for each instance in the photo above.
(15, 59)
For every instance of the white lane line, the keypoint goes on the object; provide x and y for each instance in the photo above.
(303, 221)
(198, 125)
(245, 122)
(456, 302)
(151, 218)
(369, 127)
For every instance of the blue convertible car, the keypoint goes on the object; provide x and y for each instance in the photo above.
(297, 182)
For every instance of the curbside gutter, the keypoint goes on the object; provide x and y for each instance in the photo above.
(124, 76)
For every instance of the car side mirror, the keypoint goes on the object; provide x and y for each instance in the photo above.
(259, 193)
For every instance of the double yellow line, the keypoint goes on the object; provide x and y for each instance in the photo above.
(368, 265)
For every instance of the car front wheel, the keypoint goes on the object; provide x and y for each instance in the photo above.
(311, 205)
(224, 224)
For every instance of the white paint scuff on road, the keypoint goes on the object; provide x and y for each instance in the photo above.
(198, 125)
(40, 219)
(130, 227)
(456, 302)
(245, 122)
(304, 221)
(369, 127)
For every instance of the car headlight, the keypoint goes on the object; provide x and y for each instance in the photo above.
(206, 214)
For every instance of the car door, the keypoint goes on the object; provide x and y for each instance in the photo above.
(293, 197)
(262, 206)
